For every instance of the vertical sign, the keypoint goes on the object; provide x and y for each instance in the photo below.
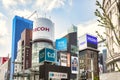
(74, 65)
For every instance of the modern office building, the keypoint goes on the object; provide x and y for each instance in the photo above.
(88, 57)
(19, 24)
(112, 9)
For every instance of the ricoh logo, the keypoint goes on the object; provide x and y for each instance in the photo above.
(41, 29)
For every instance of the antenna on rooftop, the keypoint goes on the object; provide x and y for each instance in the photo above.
(32, 14)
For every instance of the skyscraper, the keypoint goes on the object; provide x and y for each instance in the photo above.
(19, 24)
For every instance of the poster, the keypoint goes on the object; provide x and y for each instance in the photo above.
(74, 65)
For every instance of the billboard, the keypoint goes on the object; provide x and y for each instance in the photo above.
(74, 65)
(43, 29)
(87, 41)
(61, 44)
(48, 55)
(63, 59)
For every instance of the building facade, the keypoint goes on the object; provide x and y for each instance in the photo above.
(102, 56)
(19, 24)
(5, 70)
(112, 9)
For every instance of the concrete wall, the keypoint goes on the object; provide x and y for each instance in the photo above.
(110, 76)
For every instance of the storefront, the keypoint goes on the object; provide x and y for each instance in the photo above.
(53, 72)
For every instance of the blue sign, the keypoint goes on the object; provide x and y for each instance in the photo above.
(61, 44)
(42, 55)
(48, 55)
(91, 39)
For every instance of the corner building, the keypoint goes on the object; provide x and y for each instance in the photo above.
(43, 35)
(19, 24)
(113, 11)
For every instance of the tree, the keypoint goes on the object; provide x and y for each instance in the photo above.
(105, 21)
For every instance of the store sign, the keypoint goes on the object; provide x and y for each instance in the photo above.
(48, 55)
(57, 75)
(74, 65)
(61, 44)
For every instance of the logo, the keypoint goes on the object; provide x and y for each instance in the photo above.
(51, 55)
(41, 29)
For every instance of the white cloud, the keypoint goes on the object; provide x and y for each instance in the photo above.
(49, 5)
(8, 3)
(56, 4)
(90, 27)
(5, 39)
(23, 13)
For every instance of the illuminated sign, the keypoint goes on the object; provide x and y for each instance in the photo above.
(48, 55)
(87, 41)
(61, 44)
(91, 39)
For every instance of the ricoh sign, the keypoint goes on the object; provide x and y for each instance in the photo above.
(43, 29)
(87, 41)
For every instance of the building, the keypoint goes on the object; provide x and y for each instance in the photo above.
(43, 36)
(112, 8)
(67, 50)
(88, 57)
(102, 56)
(19, 24)
(5, 70)
(24, 54)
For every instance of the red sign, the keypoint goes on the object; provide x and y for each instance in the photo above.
(41, 29)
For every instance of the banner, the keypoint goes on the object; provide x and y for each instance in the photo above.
(74, 65)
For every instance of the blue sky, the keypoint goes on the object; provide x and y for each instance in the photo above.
(63, 13)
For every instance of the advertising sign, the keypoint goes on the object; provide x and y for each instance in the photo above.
(43, 29)
(87, 41)
(91, 41)
(48, 55)
(74, 65)
(82, 42)
(68, 59)
(63, 59)
(61, 44)
(42, 55)
(57, 75)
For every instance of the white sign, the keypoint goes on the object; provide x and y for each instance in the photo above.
(74, 64)
(57, 75)
(43, 29)
(82, 42)
(63, 59)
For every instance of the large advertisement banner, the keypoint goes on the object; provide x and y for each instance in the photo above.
(61, 44)
(74, 65)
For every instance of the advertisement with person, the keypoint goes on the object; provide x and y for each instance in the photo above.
(74, 65)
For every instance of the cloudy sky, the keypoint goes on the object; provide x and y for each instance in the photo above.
(63, 13)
